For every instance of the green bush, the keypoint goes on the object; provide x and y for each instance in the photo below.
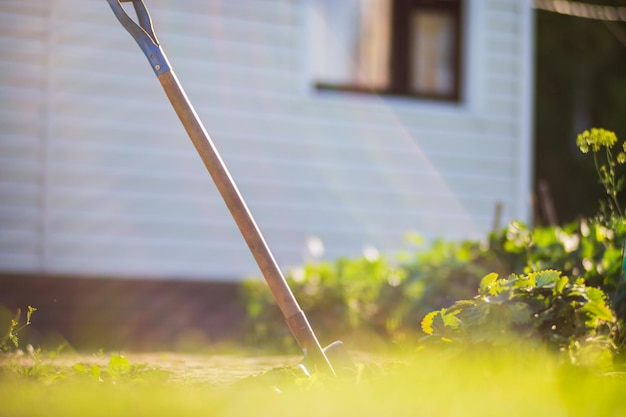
(565, 314)
(588, 249)
(340, 297)
(388, 298)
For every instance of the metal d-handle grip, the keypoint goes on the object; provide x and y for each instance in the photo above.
(143, 33)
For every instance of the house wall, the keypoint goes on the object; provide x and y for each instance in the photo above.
(98, 178)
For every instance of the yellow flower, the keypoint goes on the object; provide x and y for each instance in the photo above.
(582, 141)
(595, 139)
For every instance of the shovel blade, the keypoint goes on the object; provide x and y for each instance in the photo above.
(338, 357)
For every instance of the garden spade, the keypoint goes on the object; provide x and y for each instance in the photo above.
(142, 31)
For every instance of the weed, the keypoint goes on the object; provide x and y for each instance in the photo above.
(10, 341)
(607, 162)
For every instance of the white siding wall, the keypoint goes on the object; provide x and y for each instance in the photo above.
(97, 176)
(23, 106)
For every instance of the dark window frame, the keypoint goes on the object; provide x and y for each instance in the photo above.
(400, 69)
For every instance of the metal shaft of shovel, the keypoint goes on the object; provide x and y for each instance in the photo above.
(297, 322)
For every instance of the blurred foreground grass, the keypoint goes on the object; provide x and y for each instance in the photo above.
(419, 384)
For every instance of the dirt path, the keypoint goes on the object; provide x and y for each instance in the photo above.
(211, 369)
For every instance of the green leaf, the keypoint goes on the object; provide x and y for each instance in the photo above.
(12, 335)
(547, 278)
(523, 281)
(80, 368)
(96, 372)
(427, 322)
(118, 366)
(450, 319)
(488, 282)
(29, 314)
(560, 285)
(601, 312)
(597, 306)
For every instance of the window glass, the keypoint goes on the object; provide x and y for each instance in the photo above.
(352, 42)
(402, 47)
(432, 53)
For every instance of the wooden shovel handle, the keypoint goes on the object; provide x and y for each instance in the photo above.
(144, 35)
(295, 318)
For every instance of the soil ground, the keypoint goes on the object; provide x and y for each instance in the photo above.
(222, 369)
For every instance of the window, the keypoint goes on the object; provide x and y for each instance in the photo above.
(401, 47)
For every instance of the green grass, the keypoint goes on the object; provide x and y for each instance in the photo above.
(418, 384)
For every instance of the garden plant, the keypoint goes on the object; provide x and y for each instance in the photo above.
(386, 298)
(528, 321)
